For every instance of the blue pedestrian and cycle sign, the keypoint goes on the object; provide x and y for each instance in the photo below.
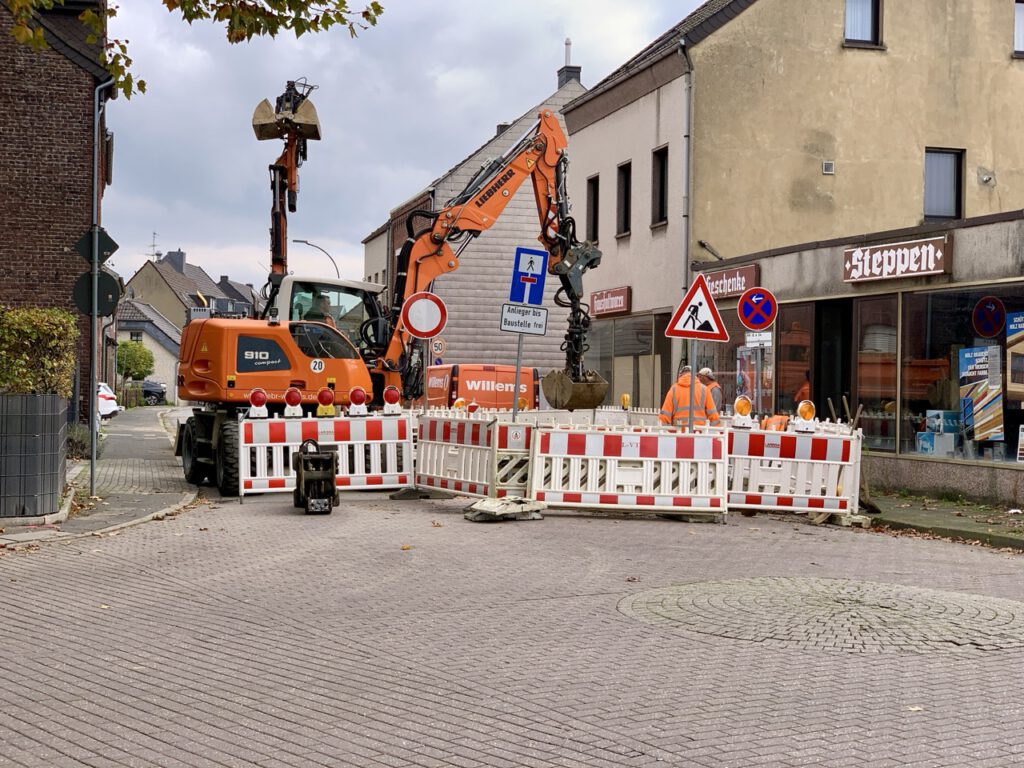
(757, 309)
(989, 317)
(528, 272)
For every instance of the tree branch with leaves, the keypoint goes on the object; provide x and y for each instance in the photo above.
(242, 21)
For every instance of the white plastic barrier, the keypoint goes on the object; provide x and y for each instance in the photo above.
(807, 473)
(658, 472)
(373, 451)
(473, 454)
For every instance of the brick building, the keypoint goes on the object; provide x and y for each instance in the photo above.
(46, 164)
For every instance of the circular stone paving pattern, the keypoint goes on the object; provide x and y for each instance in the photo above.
(835, 615)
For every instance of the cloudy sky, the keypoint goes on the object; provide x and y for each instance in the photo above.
(398, 106)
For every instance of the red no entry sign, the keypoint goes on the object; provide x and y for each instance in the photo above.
(424, 315)
(757, 309)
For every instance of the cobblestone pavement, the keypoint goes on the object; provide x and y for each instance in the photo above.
(398, 634)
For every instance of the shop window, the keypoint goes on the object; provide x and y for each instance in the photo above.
(1018, 27)
(600, 356)
(962, 377)
(794, 339)
(135, 335)
(659, 186)
(863, 22)
(739, 368)
(875, 369)
(943, 183)
(633, 355)
(593, 198)
(625, 195)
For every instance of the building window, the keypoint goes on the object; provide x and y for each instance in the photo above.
(135, 335)
(942, 183)
(625, 196)
(863, 21)
(659, 186)
(874, 336)
(593, 195)
(1018, 27)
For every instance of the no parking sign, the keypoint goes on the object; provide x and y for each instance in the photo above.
(757, 309)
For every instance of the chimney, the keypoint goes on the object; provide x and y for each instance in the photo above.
(568, 73)
(176, 259)
(223, 279)
(502, 127)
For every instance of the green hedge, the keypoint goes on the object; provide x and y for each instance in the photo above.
(37, 351)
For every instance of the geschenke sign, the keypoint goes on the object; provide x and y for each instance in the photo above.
(733, 282)
(913, 258)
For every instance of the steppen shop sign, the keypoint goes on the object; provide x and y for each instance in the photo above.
(913, 258)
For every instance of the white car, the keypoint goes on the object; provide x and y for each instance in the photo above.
(107, 403)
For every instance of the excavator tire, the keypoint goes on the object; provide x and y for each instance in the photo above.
(563, 393)
(196, 472)
(226, 460)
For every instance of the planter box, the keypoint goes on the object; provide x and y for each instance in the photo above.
(33, 446)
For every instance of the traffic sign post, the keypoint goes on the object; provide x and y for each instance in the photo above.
(697, 315)
(528, 272)
(424, 315)
(525, 315)
(989, 317)
(757, 309)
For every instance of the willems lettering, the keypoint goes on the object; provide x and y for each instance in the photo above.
(493, 386)
(910, 259)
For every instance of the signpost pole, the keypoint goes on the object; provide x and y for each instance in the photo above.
(519, 364)
(690, 346)
(426, 349)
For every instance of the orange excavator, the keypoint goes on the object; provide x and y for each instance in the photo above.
(362, 354)
(540, 156)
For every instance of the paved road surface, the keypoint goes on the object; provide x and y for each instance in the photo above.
(252, 635)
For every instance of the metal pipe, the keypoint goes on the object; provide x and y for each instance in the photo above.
(97, 110)
(325, 253)
(687, 213)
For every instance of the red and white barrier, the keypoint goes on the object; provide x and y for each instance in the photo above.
(473, 454)
(682, 473)
(373, 452)
(811, 474)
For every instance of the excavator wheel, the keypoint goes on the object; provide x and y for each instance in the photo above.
(563, 393)
(227, 459)
(196, 471)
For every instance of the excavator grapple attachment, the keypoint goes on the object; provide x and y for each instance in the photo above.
(268, 124)
(565, 394)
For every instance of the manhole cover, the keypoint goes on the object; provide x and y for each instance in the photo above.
(835, 615)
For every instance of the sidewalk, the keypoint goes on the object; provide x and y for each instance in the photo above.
(138, 478)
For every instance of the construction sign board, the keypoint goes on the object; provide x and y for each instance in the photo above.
(697, 316)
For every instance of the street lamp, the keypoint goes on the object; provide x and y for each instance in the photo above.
(325, 253)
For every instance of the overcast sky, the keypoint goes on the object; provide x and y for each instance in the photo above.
(398, 106)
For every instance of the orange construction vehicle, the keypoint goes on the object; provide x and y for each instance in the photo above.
(306, 352)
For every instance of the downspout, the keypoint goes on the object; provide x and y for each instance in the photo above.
(688, 213)
(97, 113)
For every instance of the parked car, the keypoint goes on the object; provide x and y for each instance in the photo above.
(107, 402)
(154, 393)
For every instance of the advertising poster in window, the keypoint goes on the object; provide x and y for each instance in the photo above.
(1015, 356)
(981, 393)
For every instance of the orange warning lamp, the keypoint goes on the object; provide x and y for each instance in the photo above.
(625, 400)
(459, 403)
(806, 410)
(742, 406)
(523, 403)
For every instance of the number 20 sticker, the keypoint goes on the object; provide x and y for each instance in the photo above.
(317, 366)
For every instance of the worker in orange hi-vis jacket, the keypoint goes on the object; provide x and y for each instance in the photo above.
(676, 408)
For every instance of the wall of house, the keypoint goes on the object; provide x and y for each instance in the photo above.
(165, 364)
(45, 178)
(777, 93)
(650, 257)
(150, 287)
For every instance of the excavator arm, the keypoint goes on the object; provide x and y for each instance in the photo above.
(539, 155)
(293, 118)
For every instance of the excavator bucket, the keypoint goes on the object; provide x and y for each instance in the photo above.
(563, 393)
(268, 124)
